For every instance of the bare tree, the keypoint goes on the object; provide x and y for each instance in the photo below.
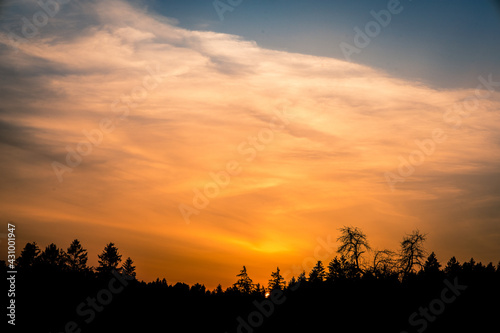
(384, 261)
(353, 244)
(412, 252)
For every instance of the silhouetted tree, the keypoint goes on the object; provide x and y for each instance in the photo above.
(128, 268)
(160, 283)
(76, 257)
(353, 244)
(490, 269)
(109, 259)
(29, 255)
(293, 283)
(259, 290)
(469, 266)
(198, 289)
(244, 283)
(453, 267)
(432, 265)
(180, 288)
(334, 270)
(318, 273)
(302, 277)
(412, 252)
(341, 269)
(53, 256)
(277, 281)
(144, 306)
(383, 262)
(218, 290)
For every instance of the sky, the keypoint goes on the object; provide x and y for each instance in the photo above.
(199, 145)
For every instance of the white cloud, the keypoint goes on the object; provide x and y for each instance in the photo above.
(350, 125)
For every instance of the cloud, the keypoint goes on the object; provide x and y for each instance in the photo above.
(215, 92)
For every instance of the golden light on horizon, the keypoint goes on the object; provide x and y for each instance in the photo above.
(199, 152)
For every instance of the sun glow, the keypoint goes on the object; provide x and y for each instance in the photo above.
(132, 155)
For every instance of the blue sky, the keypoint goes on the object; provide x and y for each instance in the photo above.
(445, 43)
(114, 117)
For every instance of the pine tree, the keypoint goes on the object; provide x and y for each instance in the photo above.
(244, 283)
(293, 284)
(335, 270)
(432, 265)
(259, 290)
(53, 256)
(218, 290)
(77, 257)
(29, 256)
(318, 273)
(341, 269)
(128, 268)
(277, 281)
(302, 277)
(109, 259)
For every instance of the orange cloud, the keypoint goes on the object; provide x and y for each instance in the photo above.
(348, 125)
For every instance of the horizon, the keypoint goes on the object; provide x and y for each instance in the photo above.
(328, 249)
(199, 141)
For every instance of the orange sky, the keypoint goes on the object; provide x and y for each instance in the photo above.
(200, 101)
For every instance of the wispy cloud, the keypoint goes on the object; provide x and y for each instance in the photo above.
(324, 170)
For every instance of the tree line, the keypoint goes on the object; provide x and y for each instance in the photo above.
(351, 263)
(73, 259)
(360, 289)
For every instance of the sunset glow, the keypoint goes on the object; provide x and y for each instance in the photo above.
(197, 152)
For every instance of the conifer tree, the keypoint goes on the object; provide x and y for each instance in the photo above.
(109, 259)
(277, 281)
(76, 256)
(244, 283)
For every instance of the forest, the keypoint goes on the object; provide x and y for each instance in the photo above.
(361, 289)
